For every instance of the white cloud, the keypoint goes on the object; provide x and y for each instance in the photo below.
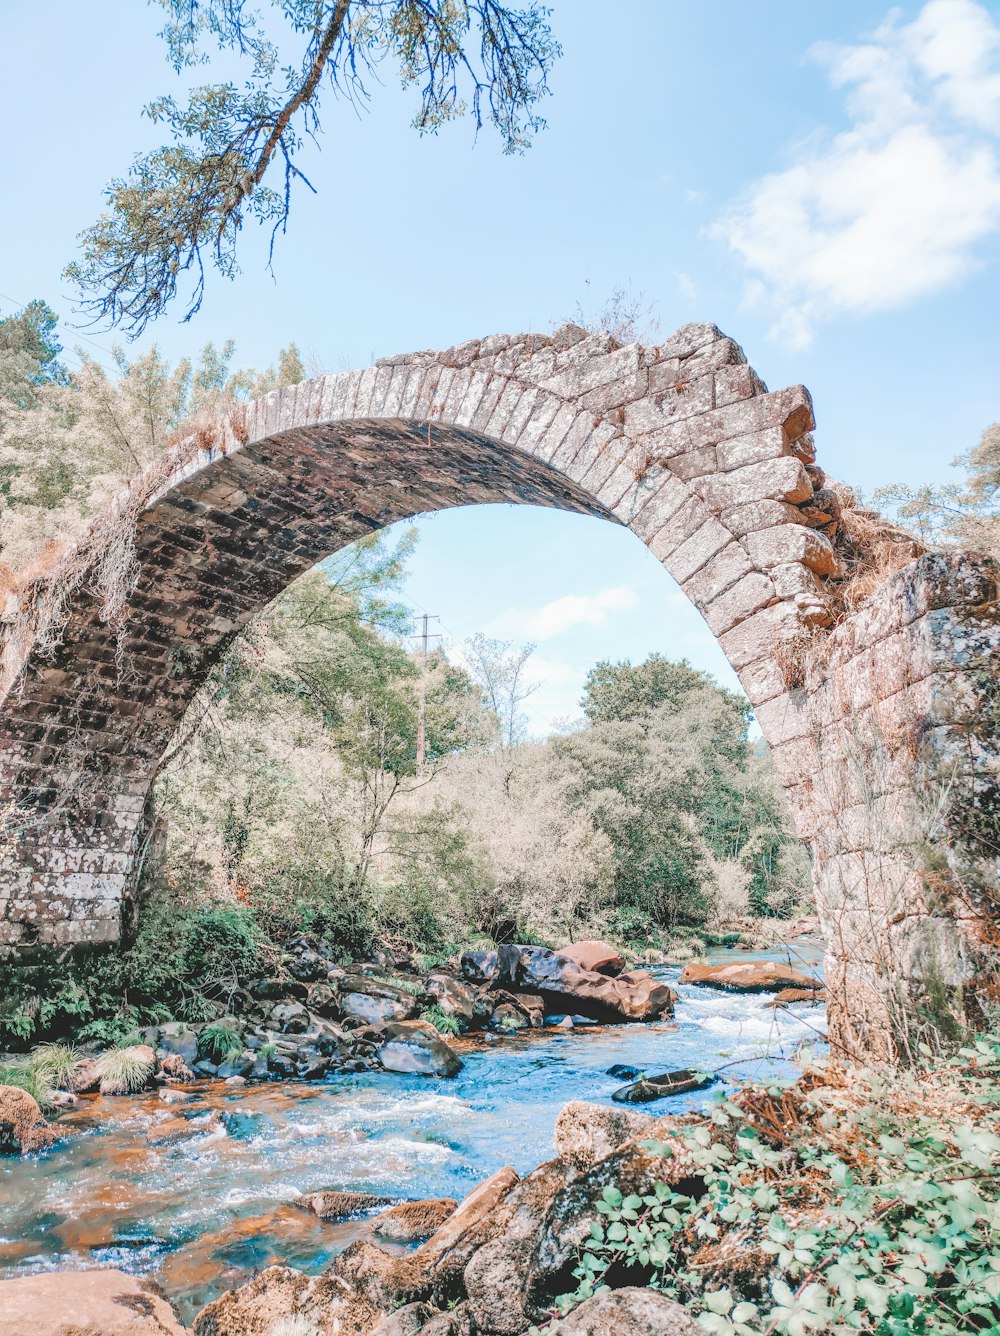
(686, 286)
(892, 208)
(564, 613)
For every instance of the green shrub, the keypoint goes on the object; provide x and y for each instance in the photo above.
(875, 1202)
(124, 1071)
(19, 1074)
(219, 1041)
(442, 1020)
(54, 1064)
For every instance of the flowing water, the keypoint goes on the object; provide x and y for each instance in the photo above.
(203, 1194)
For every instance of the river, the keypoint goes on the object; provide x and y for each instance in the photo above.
(205, 1209)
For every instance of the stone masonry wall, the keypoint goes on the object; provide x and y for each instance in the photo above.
(680, 442)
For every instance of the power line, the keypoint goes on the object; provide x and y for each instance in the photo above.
(71, 355)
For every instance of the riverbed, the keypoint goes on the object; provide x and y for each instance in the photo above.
(205, 1203)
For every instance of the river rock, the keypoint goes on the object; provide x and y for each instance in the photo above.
(410, 1047)
(621, 1072)
(306, 965)
(377, 1009)
(321, 1303)
(749, 976)
(86, 1076)
(386, 1280)
(22, 1125)
(289, 1018)
(601, 957)
(324, 1001)
(496, 1274)
(458, 1000)
(77, 1303)
(449, 1248)
(480, 967)
(412, 1220)
(787, 996)
(422, 1319)
(585, 1133)
(565, 987)
(650, 1088)
(173, 1068)
(177, 1039)
(171, 1095)
(336, 1205)
(631, 1169)
(628, 1312)
(274, 990)
(239, 1065)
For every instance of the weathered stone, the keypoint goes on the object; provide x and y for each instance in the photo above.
(280, 1292)
(748, 976)
(22, 1125)
(413, 1049)
(337, 1205)
(628, 1312)
(412, 1220)
(600, 957)
(77, 1303)
(650, 1088)
(585, 1133)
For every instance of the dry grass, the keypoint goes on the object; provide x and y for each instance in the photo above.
(873, 550)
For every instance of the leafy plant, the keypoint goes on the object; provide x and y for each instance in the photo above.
(442, 1020)
(219, 1041)
(869, 1202)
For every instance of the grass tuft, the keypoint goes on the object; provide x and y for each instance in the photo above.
(124, 1071)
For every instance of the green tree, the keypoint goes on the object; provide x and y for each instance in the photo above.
(626, 691)
(234, 150)
(29, 353)
(965, 512)
(666, 773)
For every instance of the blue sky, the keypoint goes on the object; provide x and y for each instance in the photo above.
(821, 181)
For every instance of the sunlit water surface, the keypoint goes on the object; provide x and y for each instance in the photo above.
(204, 1211)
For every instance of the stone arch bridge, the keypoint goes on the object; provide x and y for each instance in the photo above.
(877, 709)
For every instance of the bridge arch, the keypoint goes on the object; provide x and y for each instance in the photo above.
(681, 442)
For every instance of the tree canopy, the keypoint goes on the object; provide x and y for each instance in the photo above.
(234, 151)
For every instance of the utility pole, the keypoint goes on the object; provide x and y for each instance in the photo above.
(425, 636)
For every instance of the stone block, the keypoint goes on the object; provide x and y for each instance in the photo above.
(793, 543)
(718, 574)
(752, 448)
(689, 557)
(736, 382)
(583, 374)
(747, 596)
(775, 479)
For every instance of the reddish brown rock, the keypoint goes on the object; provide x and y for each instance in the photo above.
(335, 1205)
(749, 976)
(789, 995)
(85, 1303)
(412, 1220)
(280, 1292)
(22, 1125)
(585, 1133)
(601, 957)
